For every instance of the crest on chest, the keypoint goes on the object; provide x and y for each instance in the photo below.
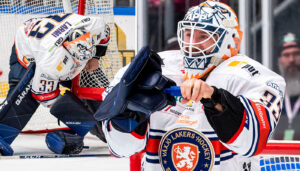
(185, 149)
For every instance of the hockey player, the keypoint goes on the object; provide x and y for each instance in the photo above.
(230, 104)
(46, 52)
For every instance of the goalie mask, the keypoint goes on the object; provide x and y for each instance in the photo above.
(80, 45)
(84, 45)
(208, 35)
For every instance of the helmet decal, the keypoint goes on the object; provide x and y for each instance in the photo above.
(207, 15)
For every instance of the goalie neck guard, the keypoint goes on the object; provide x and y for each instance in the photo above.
(208, 35)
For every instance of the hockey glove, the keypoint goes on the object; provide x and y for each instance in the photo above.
(140, 89)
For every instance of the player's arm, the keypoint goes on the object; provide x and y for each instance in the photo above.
(262, 103)
(242, 123)
(44, 89)
(224, 111)
(125, 144)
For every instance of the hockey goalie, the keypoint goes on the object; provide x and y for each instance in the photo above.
(47, 52)
(227, 109)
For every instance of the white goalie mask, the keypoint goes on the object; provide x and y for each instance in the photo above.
(80, 45)
(84, 45)
(208, 35)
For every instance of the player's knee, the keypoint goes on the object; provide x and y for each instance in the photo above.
(64, 142)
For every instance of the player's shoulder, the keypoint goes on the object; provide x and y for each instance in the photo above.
(244, 67)
(245, 73)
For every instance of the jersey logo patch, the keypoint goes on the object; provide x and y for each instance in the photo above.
(237, 63)
(185, 149)
(59, 67)
(185, 156)
(244, 65)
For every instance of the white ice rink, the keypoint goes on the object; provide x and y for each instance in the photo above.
(34, 145)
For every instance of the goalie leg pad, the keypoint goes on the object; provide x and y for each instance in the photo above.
(64, 142)
(72, 112)
(5, 148)
(18, 107)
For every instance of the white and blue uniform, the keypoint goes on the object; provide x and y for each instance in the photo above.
(259, 90)
(40, 40)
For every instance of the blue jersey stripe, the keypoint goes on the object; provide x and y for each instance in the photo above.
(154, 137)
(155, 161)
(151, 154)
(258, 132)
(250, 116)
(157, 130)
(227, 157)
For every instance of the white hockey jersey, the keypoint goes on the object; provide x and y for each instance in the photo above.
(260, 91)
(40, 40)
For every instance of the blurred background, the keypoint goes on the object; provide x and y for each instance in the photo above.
(158, 19)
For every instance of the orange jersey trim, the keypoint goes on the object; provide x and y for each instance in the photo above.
(20, 61)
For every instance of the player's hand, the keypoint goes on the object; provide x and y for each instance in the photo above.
(92, 64)
(195, 89)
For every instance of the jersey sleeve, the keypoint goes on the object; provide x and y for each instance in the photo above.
(22, 44)
(261, 93)
(44, 89)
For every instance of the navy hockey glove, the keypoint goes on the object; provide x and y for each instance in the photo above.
(140, 89)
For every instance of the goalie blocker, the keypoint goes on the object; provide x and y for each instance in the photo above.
(128, 109)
